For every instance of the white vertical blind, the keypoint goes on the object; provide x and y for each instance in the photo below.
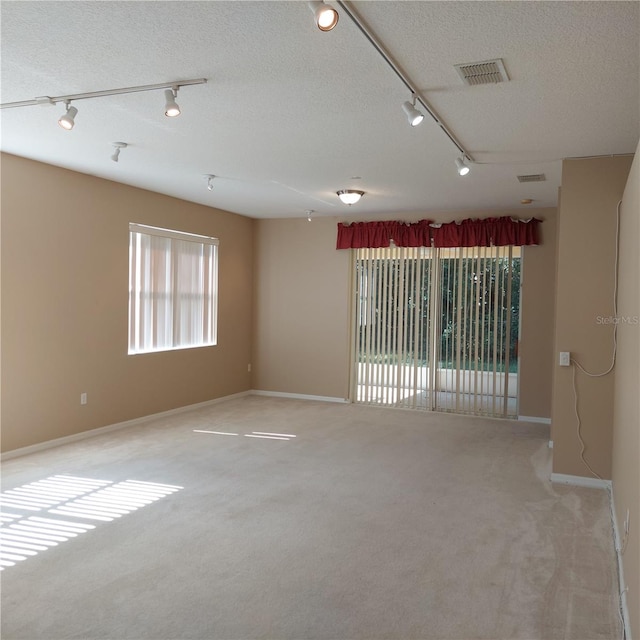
(437, 328)
(173, 283)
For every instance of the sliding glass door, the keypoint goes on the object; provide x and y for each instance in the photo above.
(437, 329)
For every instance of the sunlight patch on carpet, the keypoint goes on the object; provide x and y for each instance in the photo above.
(254, 434)
(23, 535)
(217, 433)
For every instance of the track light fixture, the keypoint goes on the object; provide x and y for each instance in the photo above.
(66, 121)
(414, 116)
(118, 147)
(171, 108)
(326, 16)
(309, 212)
(462, 166)
(349, 196)
(379, 47)
(210, 178)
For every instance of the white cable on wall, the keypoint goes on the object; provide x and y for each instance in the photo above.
(591, 374)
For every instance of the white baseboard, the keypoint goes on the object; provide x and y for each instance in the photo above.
(296, 396)
(534, 419)
(580, 481)
(624, 607)
(57, 442)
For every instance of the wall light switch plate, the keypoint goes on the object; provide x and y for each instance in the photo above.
(565, 358)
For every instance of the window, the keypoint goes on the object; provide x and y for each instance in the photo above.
(173, 289)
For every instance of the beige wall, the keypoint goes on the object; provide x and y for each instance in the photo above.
(65, 305)
(626, 397)
(537, 309)
(301, 327)
(591, 189)
(301, 321)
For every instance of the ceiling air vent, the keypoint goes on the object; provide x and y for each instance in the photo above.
(486, 72)
(533, 177)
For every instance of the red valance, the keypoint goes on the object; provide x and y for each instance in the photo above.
(497, 232)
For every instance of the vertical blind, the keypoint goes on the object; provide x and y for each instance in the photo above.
(173, 279)
(437, 328)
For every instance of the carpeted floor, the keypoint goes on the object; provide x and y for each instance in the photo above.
(370, 523)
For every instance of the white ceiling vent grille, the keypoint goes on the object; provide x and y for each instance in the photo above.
(486, 72)
(533, 177)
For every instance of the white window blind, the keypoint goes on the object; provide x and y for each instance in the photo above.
(437, 329)
(173, 289)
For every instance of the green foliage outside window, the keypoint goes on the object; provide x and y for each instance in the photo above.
(471, 292)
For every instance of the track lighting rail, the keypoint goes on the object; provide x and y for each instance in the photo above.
(366, 32)
(44, 100)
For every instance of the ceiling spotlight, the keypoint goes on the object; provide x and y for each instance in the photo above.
(463, 168)
(66, 120)
(350, 196)
(414, 116)
(309, 212)
(118, 146)
(171, 108)
(326, 16)
(210, 178)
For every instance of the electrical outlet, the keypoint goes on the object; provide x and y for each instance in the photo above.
(565, 358)
(83, 398)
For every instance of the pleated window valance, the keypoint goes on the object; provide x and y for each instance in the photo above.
(497, 232)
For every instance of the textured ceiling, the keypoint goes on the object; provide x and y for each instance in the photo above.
(289, 114)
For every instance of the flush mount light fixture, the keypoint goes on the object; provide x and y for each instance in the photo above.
(171, 108)
(118, 147)
(462, 166)
(210, 178)
(414, 116)
(326, 16)
(349, 196)
(66, 121)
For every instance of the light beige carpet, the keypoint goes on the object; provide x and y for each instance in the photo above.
(368, 524)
